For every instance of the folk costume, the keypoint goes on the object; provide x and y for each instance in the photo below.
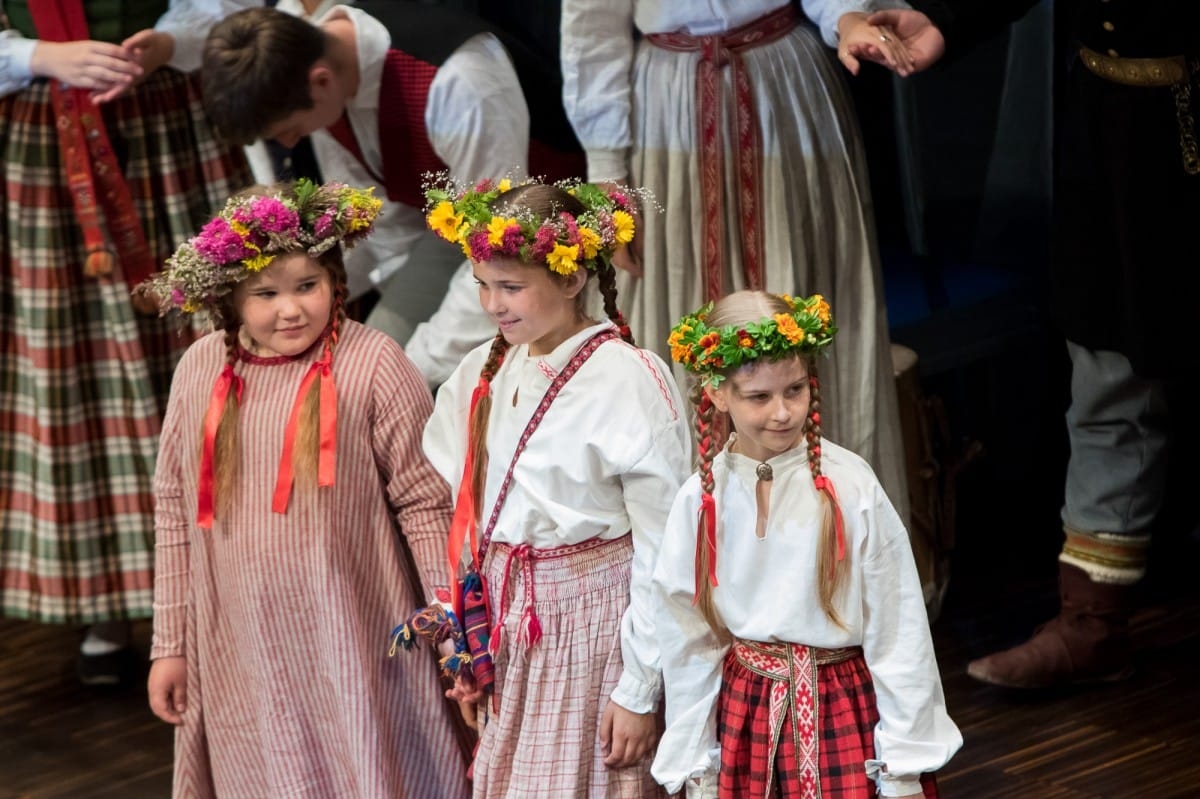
(87, 377)
(439, 91)
(736, 117)
(280, 596)
(1126, 193)
(584, 446)
(775, 697)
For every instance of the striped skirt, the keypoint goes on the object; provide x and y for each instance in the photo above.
(84, 379)
(543, 736)
(796, 722)
(818, 230)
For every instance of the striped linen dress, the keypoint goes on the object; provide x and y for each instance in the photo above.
(285, 618)
(83, 379)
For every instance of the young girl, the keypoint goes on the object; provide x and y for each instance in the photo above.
(796, 651)
(290, 452)
(576, 441)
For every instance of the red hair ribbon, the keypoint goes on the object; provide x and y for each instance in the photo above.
(823, 483)
(326, 459)
(706, 537)
(465, 520)
(226, 382)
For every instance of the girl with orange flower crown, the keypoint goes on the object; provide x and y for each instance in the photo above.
(795, 647)
(565, 444)
(290, 458)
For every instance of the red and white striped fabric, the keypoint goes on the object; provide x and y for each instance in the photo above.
(284, 618)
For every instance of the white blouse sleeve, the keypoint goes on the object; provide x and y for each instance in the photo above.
(597, 57)
(691, 655)
(648, 488)
(15, 55)
(476, 115)
(189, 21)
(914, 733)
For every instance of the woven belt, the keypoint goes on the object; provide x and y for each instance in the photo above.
(715, 52)
(1135, 71)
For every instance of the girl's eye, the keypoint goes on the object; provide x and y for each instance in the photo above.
(307, 286)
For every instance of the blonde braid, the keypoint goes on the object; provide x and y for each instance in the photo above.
(226, 460)
(478, 423)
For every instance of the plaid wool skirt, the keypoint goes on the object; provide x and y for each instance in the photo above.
(83, 379)
(796, 722)
(543, 736)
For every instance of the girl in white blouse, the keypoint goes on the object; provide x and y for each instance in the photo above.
(565, 444)
(795, 647)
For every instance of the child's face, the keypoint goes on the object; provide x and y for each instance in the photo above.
(768, 403)
(285, 307)
(530, 304)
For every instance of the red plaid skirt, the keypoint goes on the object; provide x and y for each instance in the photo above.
(796, 721)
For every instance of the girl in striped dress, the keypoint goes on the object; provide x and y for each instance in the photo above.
(797, 657)
(565, 443)
(296, 518)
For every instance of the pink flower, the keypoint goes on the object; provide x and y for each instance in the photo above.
(513, 240)
(619, 198)
(323, 227)
(481, 250)
(220, 243)
(272, 216)
(483, 185)
(544, 241)
(572, 228)
(177, 297)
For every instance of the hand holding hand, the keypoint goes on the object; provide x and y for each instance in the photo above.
(626, 737)
(99, 66)
(924, 41)
(859, 39)
(167, 687)
(150, 49)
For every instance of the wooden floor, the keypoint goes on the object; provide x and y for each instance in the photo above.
(1136, 739)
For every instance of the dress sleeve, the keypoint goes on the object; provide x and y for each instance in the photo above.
(15, 55)
(648, 488)
(597, 59)
(691, 655)
(173, 523)
(417, 494)
(914, 734)
(476, 115)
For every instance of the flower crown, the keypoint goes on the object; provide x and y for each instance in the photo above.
(251, 230)
(463, 216)
(707, 351)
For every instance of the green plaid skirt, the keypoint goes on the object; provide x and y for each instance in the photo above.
(83, 379)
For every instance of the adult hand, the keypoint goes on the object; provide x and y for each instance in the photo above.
(860, 39)
(626, 737)
(148, 48)
(167, 687)
(98, 66)
(924, 41)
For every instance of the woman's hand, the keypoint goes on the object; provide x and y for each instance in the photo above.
(626, 737)
(99, 66)
(167, 687)
(149, 49)
(859, 39)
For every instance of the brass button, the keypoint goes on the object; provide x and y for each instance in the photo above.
(1108, 26)
(1113, 53)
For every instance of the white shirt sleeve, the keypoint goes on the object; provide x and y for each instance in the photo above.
(476, 115)
(646, 487)
(15, 53)
(691, 657)
(914, 733)
(189, 21)
(597, 59)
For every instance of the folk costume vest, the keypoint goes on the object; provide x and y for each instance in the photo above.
(423, 37)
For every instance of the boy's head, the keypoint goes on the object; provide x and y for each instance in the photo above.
(265, 74)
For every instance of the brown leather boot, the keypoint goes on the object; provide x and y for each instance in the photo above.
(1088, 641)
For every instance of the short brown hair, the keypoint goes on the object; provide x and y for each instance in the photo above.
(255, 70)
